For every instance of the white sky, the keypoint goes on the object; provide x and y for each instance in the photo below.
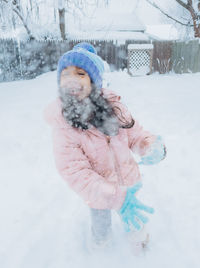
(146, 13)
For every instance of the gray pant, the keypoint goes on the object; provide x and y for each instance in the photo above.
(100, 224)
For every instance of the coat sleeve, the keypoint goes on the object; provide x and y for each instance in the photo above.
(75, 168)
(139, 140)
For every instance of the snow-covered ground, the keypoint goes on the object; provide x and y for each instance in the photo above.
(43, 223)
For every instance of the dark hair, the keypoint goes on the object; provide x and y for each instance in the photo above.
(122, 119)
(113, 109)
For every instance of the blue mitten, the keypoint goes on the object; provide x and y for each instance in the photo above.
(156, 154)
(129, 211)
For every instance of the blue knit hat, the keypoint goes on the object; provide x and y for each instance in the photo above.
(83, 55)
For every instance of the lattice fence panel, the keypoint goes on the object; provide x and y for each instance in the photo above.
(139, 59)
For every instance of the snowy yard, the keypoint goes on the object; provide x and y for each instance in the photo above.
(43, 223)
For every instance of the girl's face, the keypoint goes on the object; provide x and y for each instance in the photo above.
(76, 81)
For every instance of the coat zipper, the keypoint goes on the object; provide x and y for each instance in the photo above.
(115, 161)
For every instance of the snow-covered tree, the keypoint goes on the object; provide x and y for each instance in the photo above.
(43, 19)
(61, 12)
(13, 10)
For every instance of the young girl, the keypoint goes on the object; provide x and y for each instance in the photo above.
(93, 136)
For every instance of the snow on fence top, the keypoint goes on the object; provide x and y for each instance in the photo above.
(140, 46)
(109, 35)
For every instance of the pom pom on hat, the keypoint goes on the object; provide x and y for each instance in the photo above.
(83, 55)
(86, 46)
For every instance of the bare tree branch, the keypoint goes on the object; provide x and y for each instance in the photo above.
(170, 17)
(183, 4)
(189, 7)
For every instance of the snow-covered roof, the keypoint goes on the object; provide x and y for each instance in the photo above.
(162, 32)
(107, 21)
(105, 25)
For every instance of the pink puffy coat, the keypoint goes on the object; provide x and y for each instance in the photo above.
(97, 167)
